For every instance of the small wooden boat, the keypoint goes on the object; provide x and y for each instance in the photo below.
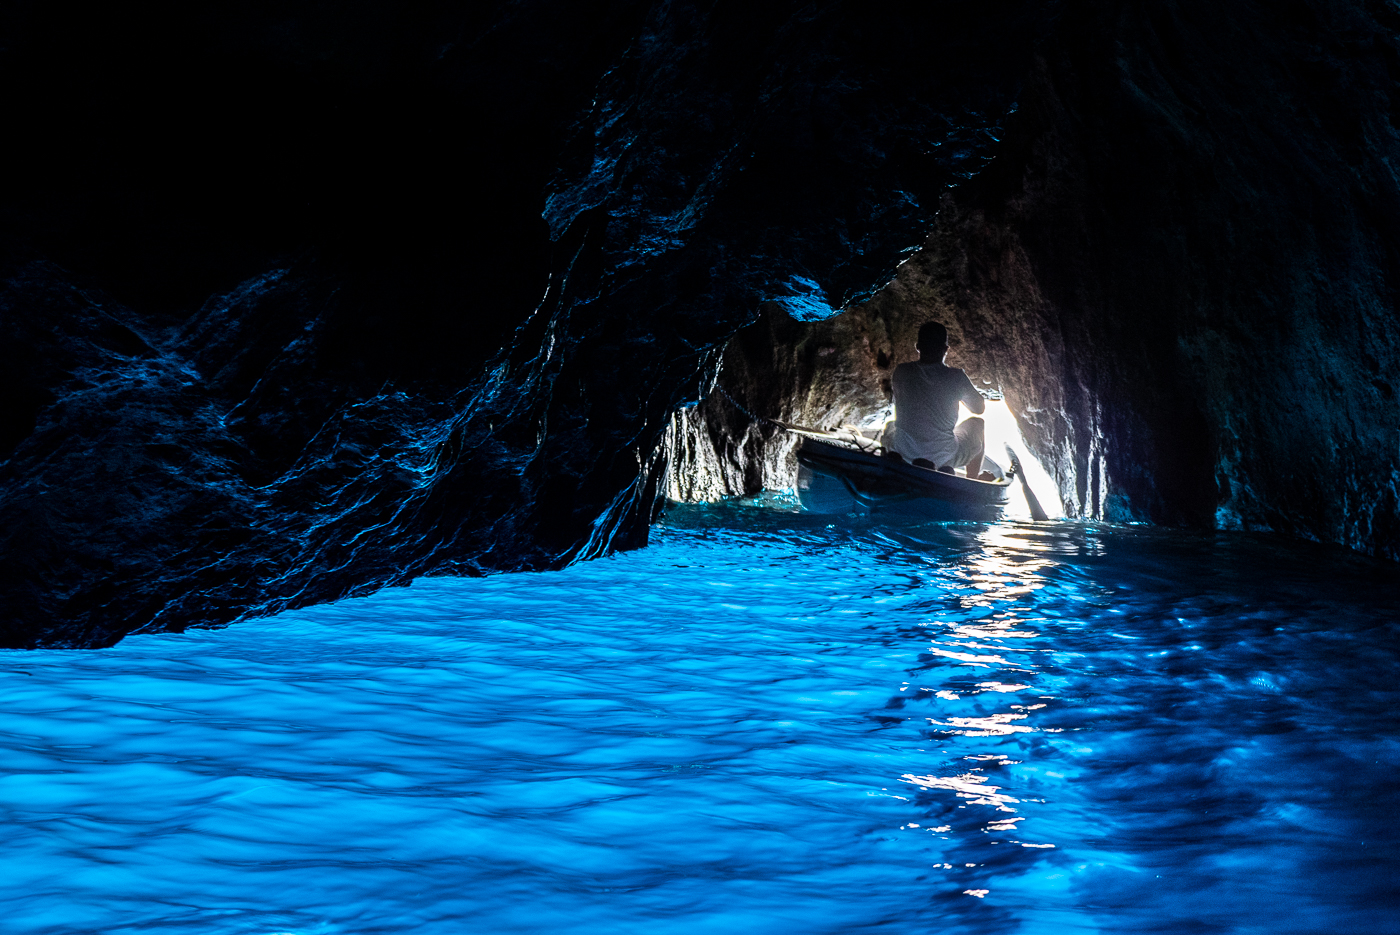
(836, 476)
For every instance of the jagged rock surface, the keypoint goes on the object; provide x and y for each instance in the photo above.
(273, 327)
(1181, 269)
(302, 301)
(819, 374)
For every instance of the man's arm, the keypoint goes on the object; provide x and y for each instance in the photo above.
(975, 403)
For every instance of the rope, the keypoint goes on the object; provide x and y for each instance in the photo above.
(742, 408)
(861, 442)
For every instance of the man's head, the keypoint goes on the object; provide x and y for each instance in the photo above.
(933, 341)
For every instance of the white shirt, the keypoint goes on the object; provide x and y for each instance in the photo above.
(926, 398)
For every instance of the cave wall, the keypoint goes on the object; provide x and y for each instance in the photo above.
(1180, 268)
(300, 301)
(1199, 240)
(822, 374)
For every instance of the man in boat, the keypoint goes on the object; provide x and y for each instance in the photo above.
(926, 430)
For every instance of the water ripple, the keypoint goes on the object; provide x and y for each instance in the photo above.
(761, 723)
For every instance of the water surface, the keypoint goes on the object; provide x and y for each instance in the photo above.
(759, 724)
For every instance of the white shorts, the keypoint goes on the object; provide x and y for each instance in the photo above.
(971, 435)
(968, 436)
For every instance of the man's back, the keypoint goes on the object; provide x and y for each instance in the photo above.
(926, 397)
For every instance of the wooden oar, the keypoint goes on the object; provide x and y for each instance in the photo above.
(804, 430)
(1037, 512)
(861, 443)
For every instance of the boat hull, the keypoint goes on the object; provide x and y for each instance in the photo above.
(840, 480)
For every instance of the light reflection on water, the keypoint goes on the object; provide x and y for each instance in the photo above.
(759, 724)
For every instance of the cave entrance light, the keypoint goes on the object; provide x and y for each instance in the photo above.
(1001, 430)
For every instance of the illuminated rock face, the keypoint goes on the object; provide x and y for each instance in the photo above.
(301, 301)
(1181, 268)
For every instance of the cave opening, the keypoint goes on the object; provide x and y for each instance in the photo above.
(832, 374)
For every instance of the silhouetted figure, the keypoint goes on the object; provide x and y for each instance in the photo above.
(926, 430)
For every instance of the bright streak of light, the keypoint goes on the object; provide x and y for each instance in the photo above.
(1002, 430)
(968, 786)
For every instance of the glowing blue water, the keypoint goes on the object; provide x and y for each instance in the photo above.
(756, 725)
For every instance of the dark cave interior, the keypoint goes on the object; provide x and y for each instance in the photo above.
(301, 302)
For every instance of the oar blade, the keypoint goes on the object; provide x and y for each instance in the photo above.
(1037, 511)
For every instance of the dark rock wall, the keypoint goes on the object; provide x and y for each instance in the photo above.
(301, 301)
(1181, 268)
(1198, 239)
